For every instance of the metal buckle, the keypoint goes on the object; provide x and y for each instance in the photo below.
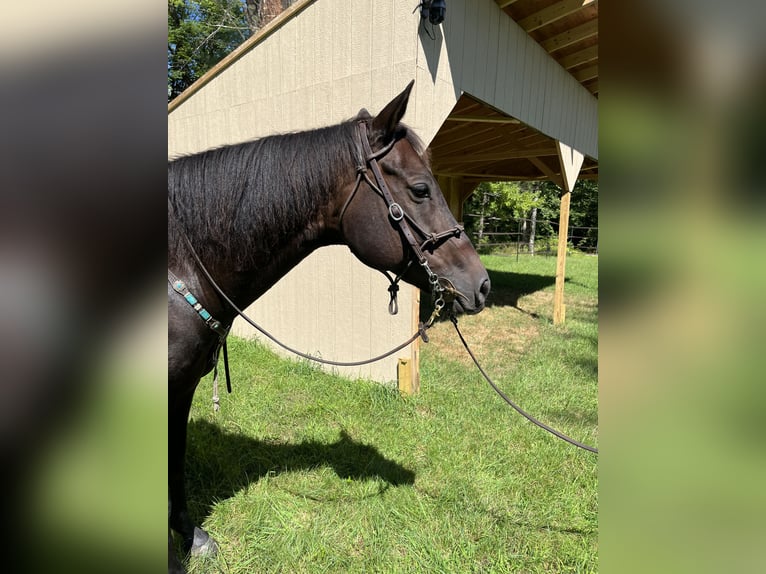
(395, 207)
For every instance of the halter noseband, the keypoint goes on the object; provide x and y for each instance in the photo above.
(403, 222)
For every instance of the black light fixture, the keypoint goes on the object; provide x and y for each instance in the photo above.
(434, 10)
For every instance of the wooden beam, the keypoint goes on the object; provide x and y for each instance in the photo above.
(501, 156)
(483, 119)
(550, 14)
(456, 142)
(586, 74)
(456, 197)
(504, 3)
(571, 36)
(450, 187)
(479, 177)
(547, 171)
(491, 176)
(587, 55)
(479, 144)
(571, 162)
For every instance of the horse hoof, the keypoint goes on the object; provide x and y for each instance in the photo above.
(203, 544)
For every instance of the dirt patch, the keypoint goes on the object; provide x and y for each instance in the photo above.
(498, 333)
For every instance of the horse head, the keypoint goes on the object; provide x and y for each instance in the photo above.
(395, 218)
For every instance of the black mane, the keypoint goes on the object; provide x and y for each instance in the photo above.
(274, 185)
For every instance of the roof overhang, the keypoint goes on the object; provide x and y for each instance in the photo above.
(566, 29)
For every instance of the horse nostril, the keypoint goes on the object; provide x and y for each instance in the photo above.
(484, 289)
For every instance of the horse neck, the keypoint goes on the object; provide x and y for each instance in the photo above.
(277, 252)
(249, 283)
(254, 211)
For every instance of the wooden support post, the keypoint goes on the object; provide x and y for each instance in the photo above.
(559, 309)
(404, 375)
(408, 369)
(451, 187)
(571, 162)
(456, 198)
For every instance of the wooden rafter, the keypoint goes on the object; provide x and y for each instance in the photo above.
(509, 154)
(489, 176)
(583, 56)
(586, 74)
(546, 170)
(551, 14)
(483, 119)
(571, 36)
(457, 143)
(478, 176)
(504, 3)
(482, 139)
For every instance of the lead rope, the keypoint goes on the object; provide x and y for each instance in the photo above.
(216, 400)
(518, 409)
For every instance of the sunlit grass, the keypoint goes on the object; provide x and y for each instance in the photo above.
(302, 471)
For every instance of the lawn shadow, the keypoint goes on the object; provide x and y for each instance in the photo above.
(507, 288)
(219, 464)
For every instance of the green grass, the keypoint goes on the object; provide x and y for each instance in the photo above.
(304, 472)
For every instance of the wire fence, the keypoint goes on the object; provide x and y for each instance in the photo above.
(527, 237)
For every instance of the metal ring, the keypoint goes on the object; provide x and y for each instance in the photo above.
(400, 212)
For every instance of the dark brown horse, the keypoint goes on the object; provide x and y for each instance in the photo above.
(253, 211)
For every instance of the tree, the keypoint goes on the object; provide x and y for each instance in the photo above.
(200, 34)
(529, 210)
(261, 12)
(583, 212)
(501, 204)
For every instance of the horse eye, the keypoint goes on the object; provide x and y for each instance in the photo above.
(421, 190)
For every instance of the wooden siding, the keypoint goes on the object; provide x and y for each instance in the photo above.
(334, 307)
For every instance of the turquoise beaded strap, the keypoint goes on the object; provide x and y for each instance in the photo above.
(180, 287)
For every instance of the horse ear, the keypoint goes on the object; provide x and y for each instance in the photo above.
(363, 114)
(384, 124)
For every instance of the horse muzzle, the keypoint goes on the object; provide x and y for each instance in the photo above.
(469, 303)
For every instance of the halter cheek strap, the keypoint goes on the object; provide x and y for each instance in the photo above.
(403, 222)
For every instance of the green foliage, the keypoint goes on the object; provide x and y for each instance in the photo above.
(497, 207)
(583, 211)
(200, 34)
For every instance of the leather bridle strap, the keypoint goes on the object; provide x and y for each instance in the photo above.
(404, 222)
(394, 209)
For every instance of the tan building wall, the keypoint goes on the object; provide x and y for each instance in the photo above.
(332, 306)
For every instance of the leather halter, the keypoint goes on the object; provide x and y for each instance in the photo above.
(403, 222)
